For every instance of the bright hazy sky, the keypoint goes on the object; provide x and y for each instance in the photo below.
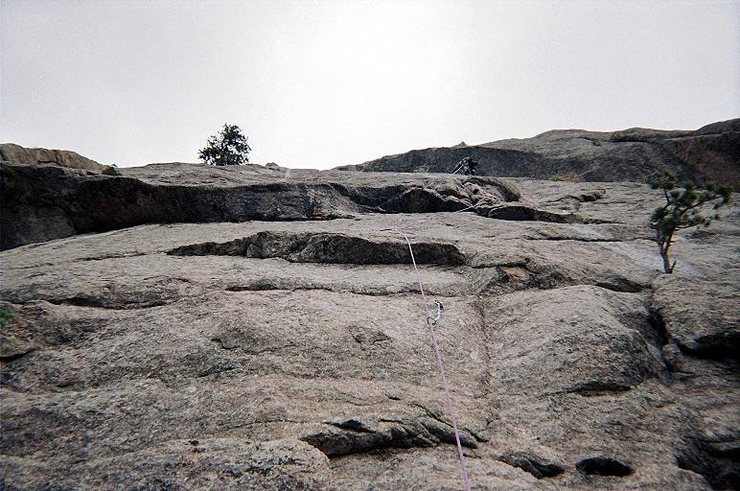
(327, 82)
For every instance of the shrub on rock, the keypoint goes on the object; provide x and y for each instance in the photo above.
(228, 147)
(683, 208)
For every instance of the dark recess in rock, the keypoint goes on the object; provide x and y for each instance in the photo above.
(338, 443)
(603, 466)
(7, 358)
(422, 200)
(351, 437)
(326, 248)
(527, 213)
(116, 300)
(720, 346)
(538, 467)
(717, 461)
(621, 285)
(598, 388)
(350, 424)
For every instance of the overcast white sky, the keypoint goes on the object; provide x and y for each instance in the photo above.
(328, 82)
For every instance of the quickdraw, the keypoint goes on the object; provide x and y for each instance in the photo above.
(433, 320)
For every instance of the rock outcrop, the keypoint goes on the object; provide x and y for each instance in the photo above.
(18, 155)
(281, 341)
(711, 153)
(47, 202)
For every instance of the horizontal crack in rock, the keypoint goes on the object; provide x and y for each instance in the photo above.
(603, 466)
(110, 304)
(597, 388)
(536, 466)
(352, 435)
(325, 248)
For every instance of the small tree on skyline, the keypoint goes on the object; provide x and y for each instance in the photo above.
(228, 147)
(683, 208)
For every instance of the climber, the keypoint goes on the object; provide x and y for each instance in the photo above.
(460, 165)
(466, 165)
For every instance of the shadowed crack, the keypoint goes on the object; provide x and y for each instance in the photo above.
(112, 302)
(717, 461)
(283, 286)
(7, 357)
(598, 388)
(521, 212)
(103, 257)
(347, 436)
(603, 466)
(145, 294)
(325, 248)
(350, 424)
(720, 346)
(622, 285)
(527, 275)
(538, 467)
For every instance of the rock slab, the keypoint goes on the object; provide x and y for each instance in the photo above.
(290, 351)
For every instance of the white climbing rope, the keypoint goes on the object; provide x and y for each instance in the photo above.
(431, 321)
(465, 209)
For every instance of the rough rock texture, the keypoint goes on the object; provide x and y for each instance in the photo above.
(42, 203)
(709, 153)
(11, 153)
(292, 352)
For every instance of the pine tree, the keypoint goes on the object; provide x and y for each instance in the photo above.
(684, 207)
(228, 147)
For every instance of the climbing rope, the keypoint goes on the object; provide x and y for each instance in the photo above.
(465, 209)
(431, 321)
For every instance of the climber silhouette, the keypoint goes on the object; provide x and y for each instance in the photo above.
(467, 165)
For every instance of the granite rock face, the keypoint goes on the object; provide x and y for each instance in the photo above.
(711, 153)
(47, 202)
(289, 349)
